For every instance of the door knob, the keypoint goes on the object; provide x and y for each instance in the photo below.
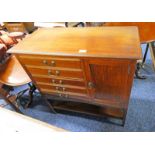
(91, 85)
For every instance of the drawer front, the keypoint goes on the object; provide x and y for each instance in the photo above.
(64, 94)
(62, 89)
(59, 81)
(58, 73)
(63, 97)
(51, 61)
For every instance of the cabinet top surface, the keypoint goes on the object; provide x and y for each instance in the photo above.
(108, 42)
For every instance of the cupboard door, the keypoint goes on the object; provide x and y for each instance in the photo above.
(107, 81)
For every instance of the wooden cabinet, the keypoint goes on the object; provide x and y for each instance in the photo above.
(80, 65)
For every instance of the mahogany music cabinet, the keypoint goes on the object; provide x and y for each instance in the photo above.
(91, 69)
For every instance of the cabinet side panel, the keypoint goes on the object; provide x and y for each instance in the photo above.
(129, 83)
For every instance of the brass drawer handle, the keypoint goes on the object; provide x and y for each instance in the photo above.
(45, 62)
(63, 89)
(60, 95)
(57, 72)
(49, 72)
(57, 88)
(52, 63)
(91, 85)
(53, 81)
(60, 82)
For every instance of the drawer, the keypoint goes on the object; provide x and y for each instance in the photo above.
(50, 61)
(59, 81)
(65, 95)
(62, 89)
(53, 72)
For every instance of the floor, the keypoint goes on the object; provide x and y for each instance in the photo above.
(140, 116)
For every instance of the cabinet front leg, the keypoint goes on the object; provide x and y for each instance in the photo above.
(49, 105)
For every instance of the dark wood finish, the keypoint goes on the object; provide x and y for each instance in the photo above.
(101, 78)
(88, 109)
(2, 53)
(2, 49)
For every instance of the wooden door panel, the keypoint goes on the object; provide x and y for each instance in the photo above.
(109, 81)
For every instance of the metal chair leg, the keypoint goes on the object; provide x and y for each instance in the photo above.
(31, 92)
(152, 51)
(18, 96)
(76, 25)
(140, 65)
(145, 54)
(137, 72)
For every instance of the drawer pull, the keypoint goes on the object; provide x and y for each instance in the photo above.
(60, 82)
(45, 62)
(53, 81)
(52, 63)
(60, 95)
(63, 89)
(49, 72)
(57, 72)
(57, 88)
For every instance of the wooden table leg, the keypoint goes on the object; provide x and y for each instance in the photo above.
(49, 104)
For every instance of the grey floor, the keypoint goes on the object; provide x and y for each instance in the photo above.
(140, 116)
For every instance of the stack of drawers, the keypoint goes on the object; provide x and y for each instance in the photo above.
(60, 77)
